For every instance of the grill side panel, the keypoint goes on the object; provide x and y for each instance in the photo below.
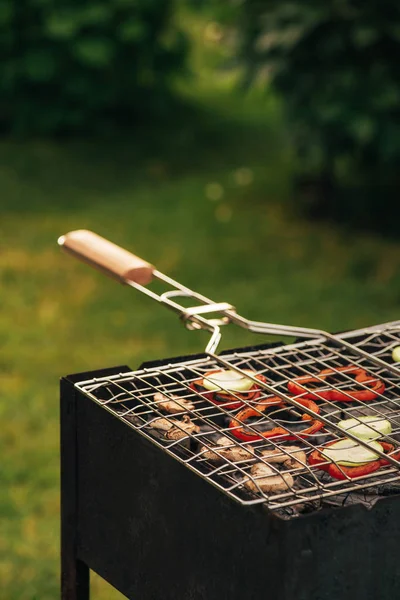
(153, 529)
(349, 553)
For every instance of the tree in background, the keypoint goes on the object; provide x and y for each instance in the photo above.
(335, 65)
(85, 65)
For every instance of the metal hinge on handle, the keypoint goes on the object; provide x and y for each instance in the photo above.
(131, 270)
(137, 273)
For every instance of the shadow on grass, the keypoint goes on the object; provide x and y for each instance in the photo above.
(36, 175)
(368, 208)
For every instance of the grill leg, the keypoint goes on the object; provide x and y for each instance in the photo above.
(74, 573)
(74, 579)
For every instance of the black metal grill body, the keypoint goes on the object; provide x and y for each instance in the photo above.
(156, 531)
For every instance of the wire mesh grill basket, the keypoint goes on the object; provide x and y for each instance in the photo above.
(268, 425)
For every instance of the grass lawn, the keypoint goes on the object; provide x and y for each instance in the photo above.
(182, 200)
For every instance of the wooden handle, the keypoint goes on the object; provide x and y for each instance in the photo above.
(107, 257)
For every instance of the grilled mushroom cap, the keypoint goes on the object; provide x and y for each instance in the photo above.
(298, 458)
(290, 456)
(226, 448)
(182, 429)
(268, 480)
(163, 424)
(172, 404)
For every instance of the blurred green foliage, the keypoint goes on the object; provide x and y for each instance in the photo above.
(336, 66)
(204, 198)
(86, 65)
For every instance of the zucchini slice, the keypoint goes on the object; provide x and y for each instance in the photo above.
(370, 428)
(350, 454)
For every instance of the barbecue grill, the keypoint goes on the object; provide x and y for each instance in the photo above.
(177, 485)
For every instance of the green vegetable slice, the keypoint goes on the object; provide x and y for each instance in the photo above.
(370, 428)
(350, 454)
(228, 380)
(396, 354)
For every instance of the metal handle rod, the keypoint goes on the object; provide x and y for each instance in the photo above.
(253, 326)
(135, 272)
(265, 328)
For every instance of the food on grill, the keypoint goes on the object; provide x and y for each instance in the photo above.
(369, 428)
(396, 354)
(182, 429)
(370, 387)
(226, 449)
(172, 404)
(268, 480)
(349, 454)
(238, 424)
(175, 429)
(310, 370)
(290, 456)
(297, 457)
(163, 424)
(229, 380)
(228, 388)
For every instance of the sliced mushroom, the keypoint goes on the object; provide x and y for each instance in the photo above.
(260, 468)
(227, 449)
(268, 480)
(182, 429)
(272, 456)
(172, 404)
(296, 457)
(163, 424)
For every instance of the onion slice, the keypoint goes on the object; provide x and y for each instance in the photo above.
(370, 428)
(228, 380)
(350, 454)
(396, 354)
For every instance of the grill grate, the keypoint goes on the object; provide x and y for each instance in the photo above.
(195, 429)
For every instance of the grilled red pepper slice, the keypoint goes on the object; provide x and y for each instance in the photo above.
(299, 386)
(238, 429)
(316, 458)
(224, 399)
